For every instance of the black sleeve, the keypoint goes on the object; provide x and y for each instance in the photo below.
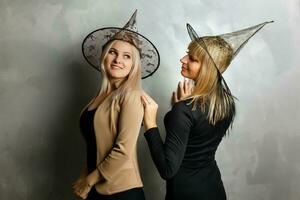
(169, 155)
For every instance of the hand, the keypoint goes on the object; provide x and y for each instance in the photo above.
(184, 90)
(150, 111)
(81, 187)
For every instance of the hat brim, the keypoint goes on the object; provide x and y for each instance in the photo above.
(94, 41)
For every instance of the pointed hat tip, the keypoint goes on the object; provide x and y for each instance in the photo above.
(267, 22)
(189, 27)
(135, 11)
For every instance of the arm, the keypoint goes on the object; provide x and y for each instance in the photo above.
(168, 156)
(129, 123)
(84, 171)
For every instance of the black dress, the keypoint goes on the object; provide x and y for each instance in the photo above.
(187, 158)
(87, 131)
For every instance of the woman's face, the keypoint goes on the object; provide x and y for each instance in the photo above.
(119, 60)
(190, 67)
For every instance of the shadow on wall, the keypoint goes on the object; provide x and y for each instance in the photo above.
(277, 165)
(82, 83)
(42, 94)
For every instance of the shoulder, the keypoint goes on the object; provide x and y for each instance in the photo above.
(131, 93)
(182, 109)
(134, 92)
(133, 96)
(184, 105)
(188, 109)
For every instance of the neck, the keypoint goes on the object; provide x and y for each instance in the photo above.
(116, 83)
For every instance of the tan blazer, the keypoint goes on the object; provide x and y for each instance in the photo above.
(117, 123)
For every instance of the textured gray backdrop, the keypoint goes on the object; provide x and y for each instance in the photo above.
(45, 82)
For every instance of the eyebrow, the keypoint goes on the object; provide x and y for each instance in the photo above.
(118, 51)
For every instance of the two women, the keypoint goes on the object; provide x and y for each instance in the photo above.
(195, 126)
(111, 122)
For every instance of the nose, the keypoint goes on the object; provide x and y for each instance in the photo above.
(117, 59)
(183, 60)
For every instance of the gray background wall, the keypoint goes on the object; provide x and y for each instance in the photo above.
(45, 82)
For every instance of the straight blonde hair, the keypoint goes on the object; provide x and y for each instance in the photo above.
(210, 92)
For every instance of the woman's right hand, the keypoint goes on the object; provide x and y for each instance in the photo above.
(184, 90)
(150, 111)
(81, 187)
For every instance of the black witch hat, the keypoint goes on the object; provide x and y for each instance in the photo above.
(92, 45)
(235, 41)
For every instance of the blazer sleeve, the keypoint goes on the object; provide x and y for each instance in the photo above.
(168, 156)
(129, 124)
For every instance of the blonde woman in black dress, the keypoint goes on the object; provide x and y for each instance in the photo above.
(200, 117)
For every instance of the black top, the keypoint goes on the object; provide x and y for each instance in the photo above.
(187, 158)
(87, 131)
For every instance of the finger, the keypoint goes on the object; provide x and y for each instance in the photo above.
(175, 99)
(181, 91)
(85, 195)
(81, 196)
(149, 99)
(143, 101)
(175, 96)
(185, 86)
(81, 193)
(75, 183)
(77, 193)
(192, 86)
(75, 187)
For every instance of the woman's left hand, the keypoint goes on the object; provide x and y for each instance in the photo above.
(150, 111)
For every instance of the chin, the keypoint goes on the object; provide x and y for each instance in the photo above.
(117, 76)
(184, 74)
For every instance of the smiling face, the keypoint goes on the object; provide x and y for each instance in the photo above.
(119, 60)
(190, 67)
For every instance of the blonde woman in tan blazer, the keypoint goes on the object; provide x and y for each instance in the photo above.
(111, 122)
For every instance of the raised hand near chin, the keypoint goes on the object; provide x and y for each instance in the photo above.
(184, 90)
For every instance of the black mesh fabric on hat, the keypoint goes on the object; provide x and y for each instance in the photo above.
(93, 44)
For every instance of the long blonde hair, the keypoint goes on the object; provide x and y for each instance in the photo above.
(210, 92)
(131, 82)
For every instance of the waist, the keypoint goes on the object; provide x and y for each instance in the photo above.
(125, 180)
(194, 164)
(137, 191)
(188, 176)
